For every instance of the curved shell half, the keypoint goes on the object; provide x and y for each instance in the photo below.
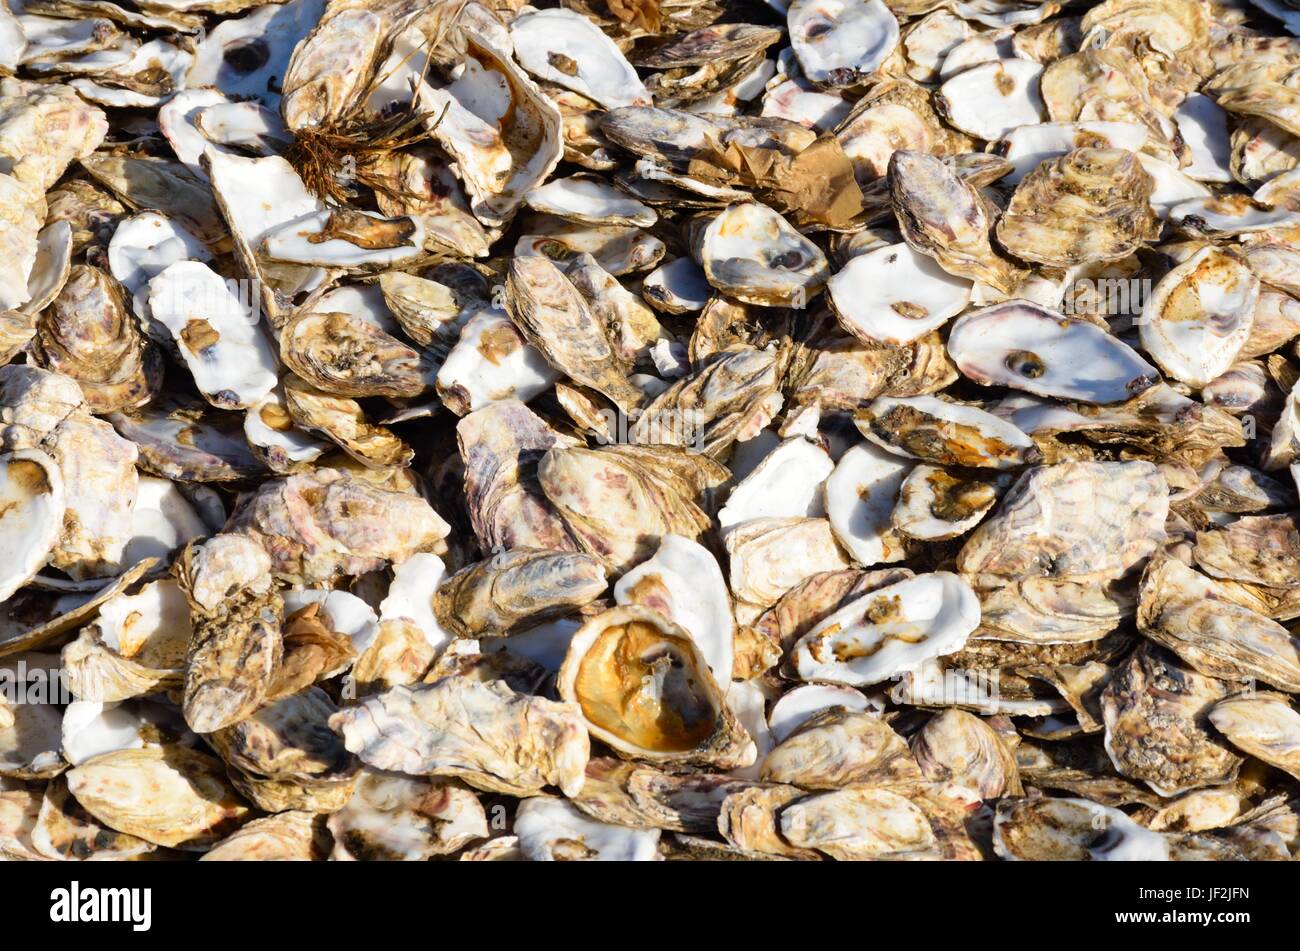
(751, 253)
(1199, 316)
(1031, 348)
(31, 516)
(890, 631)
(643, 686)
(841, 42)
(566, 48)
(895, 295)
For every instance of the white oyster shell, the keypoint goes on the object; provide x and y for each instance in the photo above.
(860, 497)
(895, 295)
(1199, 316)
(840, 42)
(217, 334)
(1031, 348)
(890, 631)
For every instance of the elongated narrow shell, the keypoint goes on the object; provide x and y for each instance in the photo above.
(644, 687)
(1059, 830)
(344, 238)
(751, 253)
(1031, 348)
(564, 47)
(590, 201)
(1199, 316)
(232, 362)
(236, 644)
(841, 42)
(517, 589)
(895, 295)
(943, 216)
(890, 631)
(559, 322)
(950, 434)
(31, 515)
(860, 496)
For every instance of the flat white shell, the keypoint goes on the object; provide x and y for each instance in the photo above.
(1031, 348)
(989, 100)
(566, 48)
(919, 620)
(217, 334)
(839, 42)
(788, 482)
(895, 295)
(860, 497)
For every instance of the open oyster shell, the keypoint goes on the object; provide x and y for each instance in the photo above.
(644, 687)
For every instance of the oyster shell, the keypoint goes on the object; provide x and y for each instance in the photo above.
(942, 216)
(928, 428)
(841, 42)
(1088, 205)
(484, 734)
(643, 687)
(1031, 348)
(889, 631)
(751, 253)
(1199, 316)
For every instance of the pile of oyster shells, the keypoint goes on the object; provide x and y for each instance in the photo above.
(644, 429)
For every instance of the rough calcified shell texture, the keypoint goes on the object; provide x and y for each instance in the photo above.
(823, 430)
